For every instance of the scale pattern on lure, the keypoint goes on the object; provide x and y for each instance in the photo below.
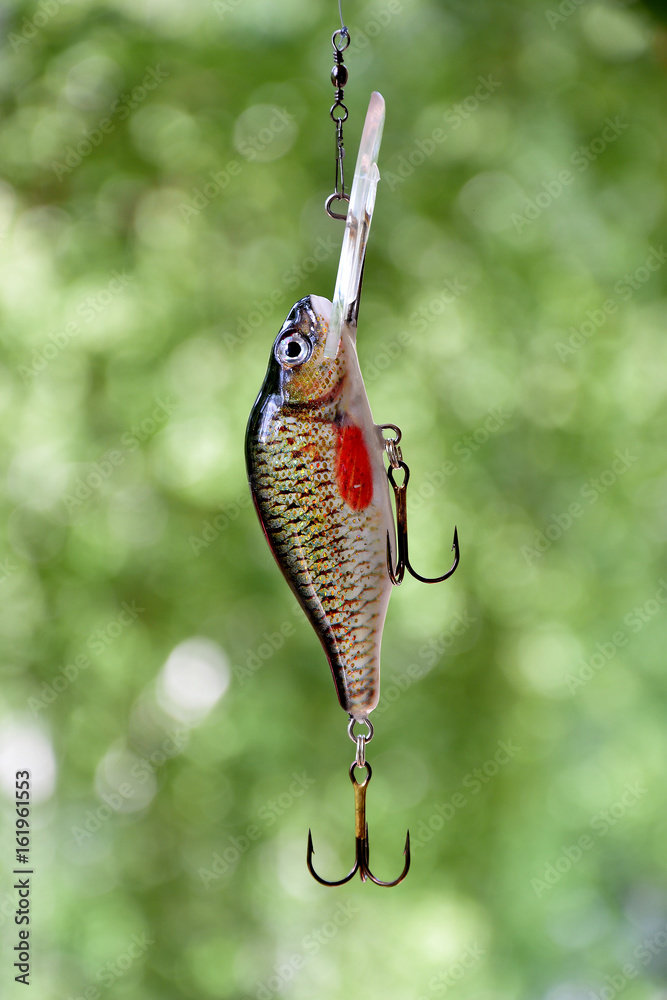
(316, 472)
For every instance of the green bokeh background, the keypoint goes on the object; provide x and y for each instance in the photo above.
(537, 359)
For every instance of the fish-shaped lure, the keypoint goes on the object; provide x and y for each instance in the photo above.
(316, 472)
(315, 466)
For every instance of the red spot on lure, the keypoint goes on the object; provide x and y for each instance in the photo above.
(354, 474)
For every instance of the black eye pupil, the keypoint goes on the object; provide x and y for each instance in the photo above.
(293, 349)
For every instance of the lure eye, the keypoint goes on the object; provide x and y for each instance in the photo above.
(293, 349)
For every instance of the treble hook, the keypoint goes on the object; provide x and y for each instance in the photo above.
(361, 842)
(403, 563)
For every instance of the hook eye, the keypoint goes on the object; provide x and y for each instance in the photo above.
(398, 487)
(353, 778)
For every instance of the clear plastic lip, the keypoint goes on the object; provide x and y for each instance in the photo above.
(357, 227)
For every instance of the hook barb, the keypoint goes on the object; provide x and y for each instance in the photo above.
(366, 872)
(445, 576)
(309, 862)
(361, 846)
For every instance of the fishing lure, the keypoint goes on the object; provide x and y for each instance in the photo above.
(315, 461)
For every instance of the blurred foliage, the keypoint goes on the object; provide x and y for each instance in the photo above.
(164, 167)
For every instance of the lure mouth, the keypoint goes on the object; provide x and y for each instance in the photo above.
(321, 307)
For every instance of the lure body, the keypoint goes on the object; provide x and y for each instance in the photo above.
(315, 467)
